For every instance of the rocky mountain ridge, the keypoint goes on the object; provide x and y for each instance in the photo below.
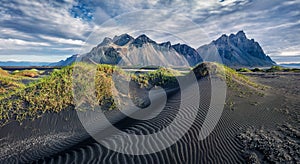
(125, 50)
(235, 50)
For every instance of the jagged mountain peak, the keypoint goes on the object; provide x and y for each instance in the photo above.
(106, 41)
(241, 34)
(166, 44)
(222, 39)
(190, 54)
(142, 39)
(225, 38)
(122, 40)
(237, 50)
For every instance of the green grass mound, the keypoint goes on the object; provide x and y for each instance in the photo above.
(163, 77)
(234, 80)
(97, 85)
(27, 73)
(243, 70)
(50, 93)
(93, 85)
(54, 93)
(9, 83)
(3, 73)
(275, 69)
(282, 69)
(257, 70)
(237, 84)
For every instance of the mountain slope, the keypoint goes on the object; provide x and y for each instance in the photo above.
(237, 51)
(66, 62)
(124, 50)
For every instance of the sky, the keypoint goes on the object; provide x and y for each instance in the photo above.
(52, 30)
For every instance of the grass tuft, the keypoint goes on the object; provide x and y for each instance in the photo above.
(234, 80)
(243, 70)
(27, 73)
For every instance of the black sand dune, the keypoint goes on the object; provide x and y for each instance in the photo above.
(60, 138)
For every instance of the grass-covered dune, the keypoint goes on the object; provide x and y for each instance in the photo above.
(27, 73)
(50, 93)
(163, 77)
(14, 81)
(239, 83)
(9, 83)
(229, 75)
(54, 93)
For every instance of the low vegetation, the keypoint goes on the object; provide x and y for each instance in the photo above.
(257, 70)
(54, 93)
(234, 78)
(106, 89)
(272, 69)
(27, 73)
(8, 83)
(95, 86)
(282, 69)
(243, 70)
(231, 76)
(239, 84)
(3, 72)
(50, 93)
(163, 77)
(275, 69)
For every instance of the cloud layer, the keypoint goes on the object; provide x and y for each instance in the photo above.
(55, 29)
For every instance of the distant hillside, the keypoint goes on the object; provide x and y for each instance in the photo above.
(14, 63)
(66, 62)
(236, 50)
(291, 65)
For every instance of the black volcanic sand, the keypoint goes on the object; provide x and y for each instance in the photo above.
(252, 129)
(279, 144)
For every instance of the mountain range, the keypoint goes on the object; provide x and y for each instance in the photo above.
(235, 50)
(125, 50)
(23, 63)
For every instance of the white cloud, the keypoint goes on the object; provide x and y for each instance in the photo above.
(19, 44)
(63, 40)
(47, 18)
(14, 33)
(33, 58)
(290, 53)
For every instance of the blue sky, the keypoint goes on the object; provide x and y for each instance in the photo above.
(51, 30)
